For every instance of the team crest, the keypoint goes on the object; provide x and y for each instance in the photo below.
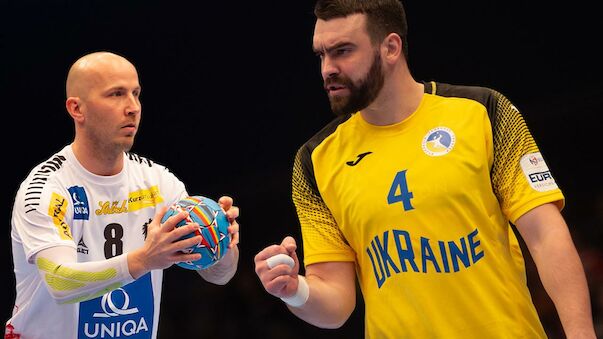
(438, 141)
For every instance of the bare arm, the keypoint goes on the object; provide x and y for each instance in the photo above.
(549, 241)
(332, 285)
(332, 294)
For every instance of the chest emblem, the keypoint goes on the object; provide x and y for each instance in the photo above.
(438, 141)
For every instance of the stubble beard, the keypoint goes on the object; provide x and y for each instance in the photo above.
(114, 147)
(361, 95)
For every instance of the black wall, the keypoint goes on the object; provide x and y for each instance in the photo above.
(240, 79)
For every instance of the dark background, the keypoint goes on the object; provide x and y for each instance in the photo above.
(238, 83)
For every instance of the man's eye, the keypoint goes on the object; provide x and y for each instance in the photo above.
(116, 94)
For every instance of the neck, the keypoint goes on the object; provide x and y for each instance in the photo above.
(98, 160)
(398, 99)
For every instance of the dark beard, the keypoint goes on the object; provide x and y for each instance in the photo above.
(361, 95)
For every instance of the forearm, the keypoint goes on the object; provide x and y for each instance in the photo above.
(328, 305)
(223, 270)
(69, 281)
(550, 243)
(563, 278)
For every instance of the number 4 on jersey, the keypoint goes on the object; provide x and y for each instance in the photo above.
(399, 191)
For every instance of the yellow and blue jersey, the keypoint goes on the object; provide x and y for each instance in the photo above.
(424, 208)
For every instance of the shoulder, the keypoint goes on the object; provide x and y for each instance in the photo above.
(148, 170)
(138, 160)
(141, 163)
(478, 93)
(42, 178)
(484, 95)
(323, 133)
(46, 171)
(493, 101)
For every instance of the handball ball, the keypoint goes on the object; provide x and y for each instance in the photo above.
(213, 230)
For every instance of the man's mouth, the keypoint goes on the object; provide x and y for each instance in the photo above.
(334, 88)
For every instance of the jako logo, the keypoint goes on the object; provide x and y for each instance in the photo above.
(116, 329)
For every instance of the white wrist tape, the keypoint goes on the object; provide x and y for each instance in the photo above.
(301, 295)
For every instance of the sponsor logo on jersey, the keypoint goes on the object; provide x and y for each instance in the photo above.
(136, 200)
(144, 198)
(81, 210)
(57, 211)
(358, 158)
(537, 172)
(395, 253)
(111, 207)
(125, 312)
(438, 141)
(81, 246)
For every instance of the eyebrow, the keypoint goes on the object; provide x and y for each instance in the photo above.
(123, 88)
(332, 48)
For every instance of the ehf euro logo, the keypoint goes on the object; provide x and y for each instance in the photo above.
(438, 141)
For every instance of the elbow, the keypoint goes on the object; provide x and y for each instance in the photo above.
(343, 318)
(56, 290)
(62, 297)
(57, 297)
(334, 325)
(337, 317)
(223, 281)
(334, 322)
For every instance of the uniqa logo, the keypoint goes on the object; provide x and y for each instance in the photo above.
(110, 309)
(107, 302)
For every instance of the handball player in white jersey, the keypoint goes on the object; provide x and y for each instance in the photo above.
(88, 246)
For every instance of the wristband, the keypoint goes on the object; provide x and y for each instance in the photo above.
(301, 295)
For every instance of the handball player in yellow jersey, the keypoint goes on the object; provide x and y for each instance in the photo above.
(413, 189)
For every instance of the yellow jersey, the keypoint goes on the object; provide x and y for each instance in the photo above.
(424, 208)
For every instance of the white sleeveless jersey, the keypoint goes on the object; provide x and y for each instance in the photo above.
(62, 204)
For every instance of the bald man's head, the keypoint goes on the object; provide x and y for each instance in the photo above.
(88, 70)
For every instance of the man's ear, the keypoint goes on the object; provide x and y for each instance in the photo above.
(391, 48)
(73, 105)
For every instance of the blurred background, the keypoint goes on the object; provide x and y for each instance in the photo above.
(239, 80)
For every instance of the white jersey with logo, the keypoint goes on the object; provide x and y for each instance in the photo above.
(62, 204)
